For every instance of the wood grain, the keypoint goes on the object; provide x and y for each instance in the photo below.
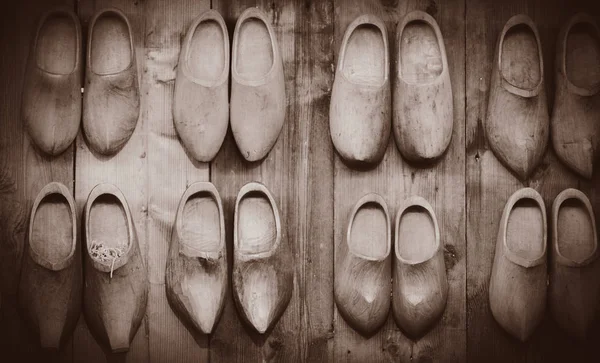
(442, 185)
(166, 24)
(126, 170)
(314, 26)
(489, 184)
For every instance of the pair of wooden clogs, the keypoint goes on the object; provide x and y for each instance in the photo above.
(197, 273)
(519, 279)
(115, 288)
(201, 111)
(365, 275)
(52, 101)
(518, 123)
(362, 103)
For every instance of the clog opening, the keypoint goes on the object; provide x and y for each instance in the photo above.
(369, 231)
(254, 50)
(420, 55)
(520, 61)
(108, 235)
(206, 55)
(583, 56)
(52, 229)
(201, 223)
(256, 225)
(364, 58)
(416, 235)
(110, 47)
(575, 230)
(56, 48)
(525, 229)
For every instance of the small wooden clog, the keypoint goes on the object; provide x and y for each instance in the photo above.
(360, 109)
(201, 97)
(196, 274)
(519, 275)
(363, 267)
(574, 293)
(258, 101)
(50, 286)
(263, 278)
(111, 101)
(51, 107)
(576, 114)
(420, 287)
(116, 281)
(517, 124)
(422, 97)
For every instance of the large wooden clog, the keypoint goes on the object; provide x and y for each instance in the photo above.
(51, 107)
(111, 101)
(422, 96)
(262, 261)
(519, 276)
(50, 286)
(196, 274)
(420, 286)
(517, 124)
(363, 267)
(360, 109)
(258, 101)
(574, 293)
(576, 115)
(116, 281)
(201, 97)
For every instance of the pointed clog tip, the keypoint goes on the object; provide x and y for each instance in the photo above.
(260, 323)
(206, 321)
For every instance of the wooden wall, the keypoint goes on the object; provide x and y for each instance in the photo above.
(314, 189)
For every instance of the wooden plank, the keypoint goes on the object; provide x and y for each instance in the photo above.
(25, 171)
(279, 171)
(441, 184)
(127, 170)
(170, 172)
(489, 184)
(314, 78)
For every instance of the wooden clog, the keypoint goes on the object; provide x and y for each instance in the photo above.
(111, 101)
(360, 109)
(116, 281)
(517, 124)
(420, 286)
(422, 96)
(51, 107)
(50, 286)
(263, 277)
(201, 100)
(519, 276)
(363, 267)
(258, 101)
(576, 115)
(196, 274)
(574, 293)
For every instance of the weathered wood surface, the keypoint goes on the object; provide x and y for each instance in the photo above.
(314, 190)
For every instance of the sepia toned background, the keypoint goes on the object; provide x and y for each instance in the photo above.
(314, 189)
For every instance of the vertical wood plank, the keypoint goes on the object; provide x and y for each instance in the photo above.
(279, 171)
(489, 184)
(314, 79)
(24, 172)
(394, 179)
(170, 171)
(127, 169)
